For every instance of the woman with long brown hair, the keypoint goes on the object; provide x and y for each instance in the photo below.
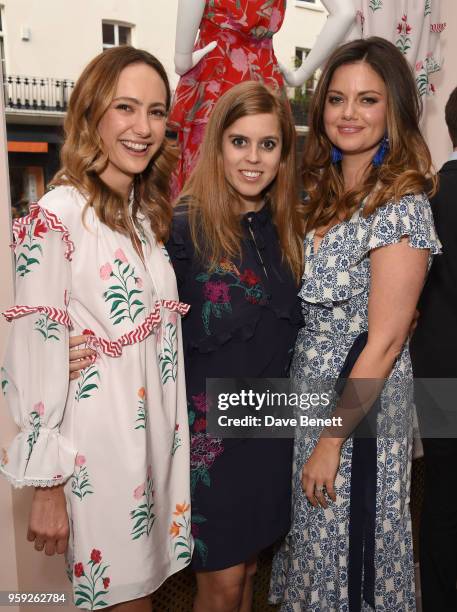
(369, 241)
(236, 245)
(108, 453)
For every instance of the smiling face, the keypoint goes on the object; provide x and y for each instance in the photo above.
(251, 152)
(355, 113)
(133, 127)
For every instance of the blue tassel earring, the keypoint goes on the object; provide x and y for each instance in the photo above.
(381, 153)
(336, 155)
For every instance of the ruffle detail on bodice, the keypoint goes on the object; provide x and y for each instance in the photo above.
(114, 348)
(52, 222)
(340, 269)
(246, 330)
(55, 314)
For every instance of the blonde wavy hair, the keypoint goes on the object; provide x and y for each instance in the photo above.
(214, 217)
(83, 158)
(407, 168)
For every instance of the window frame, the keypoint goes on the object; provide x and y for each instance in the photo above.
(117, 25)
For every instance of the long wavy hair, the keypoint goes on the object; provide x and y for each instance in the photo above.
(408, 165)
(83, 158)
(214, 217)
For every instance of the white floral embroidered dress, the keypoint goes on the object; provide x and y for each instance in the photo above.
(414, 26)
(118, 435)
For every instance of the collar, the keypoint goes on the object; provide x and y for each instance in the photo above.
(453, 156)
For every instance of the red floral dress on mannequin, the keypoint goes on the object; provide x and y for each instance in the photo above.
(243, 30)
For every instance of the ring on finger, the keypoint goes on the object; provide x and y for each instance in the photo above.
(319, 490)
(39, 545)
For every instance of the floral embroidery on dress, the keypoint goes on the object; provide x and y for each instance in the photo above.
(168, 357)
(217, 292)
(143, 516)
(89, 591)
(123, 296)
(142, 412)
(177, 440)
(35, 424)
(80, 483)
(404, 30)
(28, 239)
(49, 329)
(180, 531)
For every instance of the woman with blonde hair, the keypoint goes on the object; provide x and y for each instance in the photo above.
(90, 258)
(236, 245)
(369, 242)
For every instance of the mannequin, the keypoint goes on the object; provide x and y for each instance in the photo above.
(234, 45)
(412, 25)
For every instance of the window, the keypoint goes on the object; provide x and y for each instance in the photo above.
(308, 87)
(2, 44)
(115, 34)
(302, 95)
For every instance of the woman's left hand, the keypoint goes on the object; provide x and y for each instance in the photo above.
(319, 472)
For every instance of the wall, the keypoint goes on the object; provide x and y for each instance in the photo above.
(66, 35)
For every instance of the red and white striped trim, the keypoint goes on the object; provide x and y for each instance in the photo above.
(113, 348)
(175, 306)
(52, 221)
(437, 28)
(56, 314)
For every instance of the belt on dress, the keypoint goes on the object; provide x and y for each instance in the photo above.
(362, 509)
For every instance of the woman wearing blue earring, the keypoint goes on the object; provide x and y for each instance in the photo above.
(369, 241)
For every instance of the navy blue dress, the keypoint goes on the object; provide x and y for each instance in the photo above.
(243, 322)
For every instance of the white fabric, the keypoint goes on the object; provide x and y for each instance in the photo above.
(414, 26)
(119, 433)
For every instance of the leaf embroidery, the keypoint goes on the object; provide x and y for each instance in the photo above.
(95, 584)
(35, 424)
(48, 328)
(375, 5)
(428, 8)
(123, 296)
(4, 380)
(88, 383)
(168, 357)
(177, 441)
(80, 483)
(143, 516)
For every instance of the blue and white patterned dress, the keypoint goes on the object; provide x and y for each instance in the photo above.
(310, 572)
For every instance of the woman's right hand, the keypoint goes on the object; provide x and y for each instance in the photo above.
(48, 521)
(80, 358)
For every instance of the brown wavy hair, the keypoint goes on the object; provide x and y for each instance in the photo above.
(83, 158)
(407, 167)
(213, 216)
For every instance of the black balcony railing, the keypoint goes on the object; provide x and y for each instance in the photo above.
(36, 93)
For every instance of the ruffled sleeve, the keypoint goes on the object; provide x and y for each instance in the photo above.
(340, 269)
(35, 371)
(411, 217)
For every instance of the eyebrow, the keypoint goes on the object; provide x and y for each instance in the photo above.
(136, 101)
(263, 137)
(361, 93)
